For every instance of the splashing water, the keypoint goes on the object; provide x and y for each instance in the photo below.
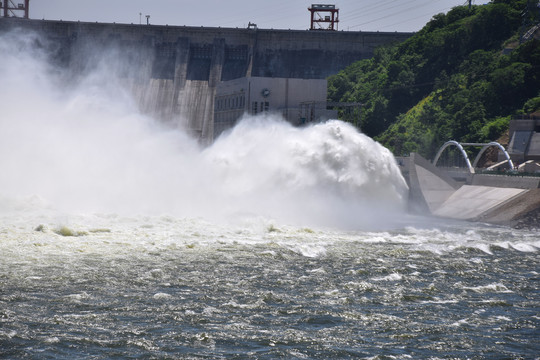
(85, 147)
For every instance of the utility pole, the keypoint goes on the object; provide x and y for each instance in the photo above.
(470, 3)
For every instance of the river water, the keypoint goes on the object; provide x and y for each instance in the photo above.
(120, 238)
(167, 287)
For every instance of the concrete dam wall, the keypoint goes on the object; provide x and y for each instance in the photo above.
(173, 70)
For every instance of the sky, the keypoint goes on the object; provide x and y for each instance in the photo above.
(354, 15)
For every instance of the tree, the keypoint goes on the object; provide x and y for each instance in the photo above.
(449, 81)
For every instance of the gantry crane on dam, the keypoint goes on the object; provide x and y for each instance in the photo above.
(8, 8)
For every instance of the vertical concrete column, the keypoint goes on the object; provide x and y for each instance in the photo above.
(181, 62)
(252, 48)
(180, 71)
(147, 44)
(216, 66)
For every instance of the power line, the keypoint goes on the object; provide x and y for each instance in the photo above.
(400, 13)
(415, 18)
(367, 9)
(257, 14)
(382, 11)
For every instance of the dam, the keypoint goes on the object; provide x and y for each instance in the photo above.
(173, 71)
(120, 238)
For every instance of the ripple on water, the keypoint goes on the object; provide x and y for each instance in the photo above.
(237, 291)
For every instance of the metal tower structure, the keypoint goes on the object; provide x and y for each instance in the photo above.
(322, 14)
(9, 9)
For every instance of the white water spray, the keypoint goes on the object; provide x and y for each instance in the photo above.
(86, 148)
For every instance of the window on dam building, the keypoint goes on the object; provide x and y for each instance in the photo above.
(256, 95)
(256, 107)
(230, 103)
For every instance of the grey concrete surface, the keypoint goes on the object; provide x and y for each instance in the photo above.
(470, 201)
(432, 191)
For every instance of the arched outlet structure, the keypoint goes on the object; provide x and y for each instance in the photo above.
(466, 157)
(463, 153)
(485, 147)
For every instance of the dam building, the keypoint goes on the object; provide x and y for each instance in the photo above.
(288, 97)
(202, 78)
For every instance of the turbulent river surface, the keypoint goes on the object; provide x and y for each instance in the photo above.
(165, 287)
(123, 238)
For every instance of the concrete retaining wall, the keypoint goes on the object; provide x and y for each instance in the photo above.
(519, 182)
(500, 199)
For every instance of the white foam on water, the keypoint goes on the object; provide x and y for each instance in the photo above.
(524, 247)
(308, 250)
(79, 154)
(494, 287)
(162, 296)
(459, 323)
(391, 277)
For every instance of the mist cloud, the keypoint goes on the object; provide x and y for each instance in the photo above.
(81, 144)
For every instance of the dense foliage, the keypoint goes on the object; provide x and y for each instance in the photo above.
(462, 77)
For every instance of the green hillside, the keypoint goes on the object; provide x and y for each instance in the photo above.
(461, 77)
